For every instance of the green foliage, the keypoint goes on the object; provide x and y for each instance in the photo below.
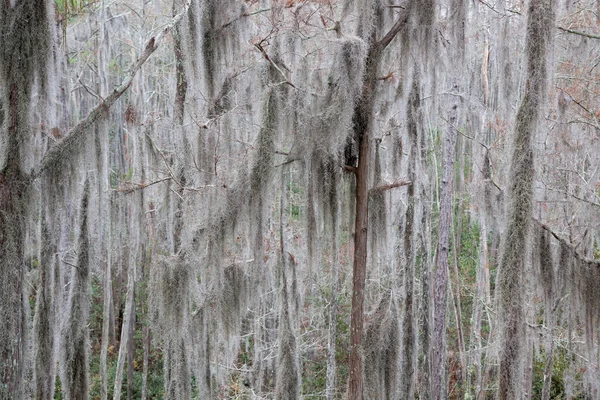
(155, 386)
(560, 365)
(72, 8)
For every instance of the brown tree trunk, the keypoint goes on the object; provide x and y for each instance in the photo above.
(362, 132)
(359, 270)
(363, 113)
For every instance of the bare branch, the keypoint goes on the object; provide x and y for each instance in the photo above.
(584, 34)
(400, 183)
(62, 148)
(400, 22)
(269, 59)
(568, 244)
(130, 187)
(350, 168)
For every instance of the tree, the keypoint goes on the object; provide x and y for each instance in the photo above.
(511, 296)
(24, 58)
(24, 52)
(199, 198)
(363, 114)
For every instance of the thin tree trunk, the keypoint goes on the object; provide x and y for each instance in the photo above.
(127, 321)
(146, 340)
(438, 364)
(408, 325)
(287, 385)
(330, 384)
(130, 357)
(107, 307)
(475, 364)
(75, 351)
(44, 325)
(457, 306)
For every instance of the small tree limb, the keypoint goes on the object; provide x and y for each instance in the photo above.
(400, 23)
(269, 59)
(584, 34)
(568, 244)
(62, 148)
(400, 183)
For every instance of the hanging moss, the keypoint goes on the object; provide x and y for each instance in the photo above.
(512, 262)
(382, 349)
(24, 52)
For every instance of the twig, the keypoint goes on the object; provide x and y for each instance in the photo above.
(138, 186)
(69, 264)
(266, 56)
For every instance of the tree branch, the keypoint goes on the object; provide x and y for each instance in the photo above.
(584, 34)
(350, 168)
(62, 148)
(561, 240)
(400, 183)
(400, 22)
(269, 59)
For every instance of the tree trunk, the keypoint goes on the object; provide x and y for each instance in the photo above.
(520, 194)
(438, 360)
(361, 120)
(12, 220)
(44, 320)
(330, 384)
(75, 351)
(362, 126)
(24, 22)
(127, 321)
(408, 325)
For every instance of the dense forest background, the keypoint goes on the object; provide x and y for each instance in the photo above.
(300, 199)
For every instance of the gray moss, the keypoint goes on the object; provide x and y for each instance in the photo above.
(512, 263)
(382, 350)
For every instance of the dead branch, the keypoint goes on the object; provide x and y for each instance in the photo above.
(130, 187)
(400, 183)
(584, 34)
(568, 244)
(269, 59)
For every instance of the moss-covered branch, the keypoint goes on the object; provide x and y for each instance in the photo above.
(65, 147)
